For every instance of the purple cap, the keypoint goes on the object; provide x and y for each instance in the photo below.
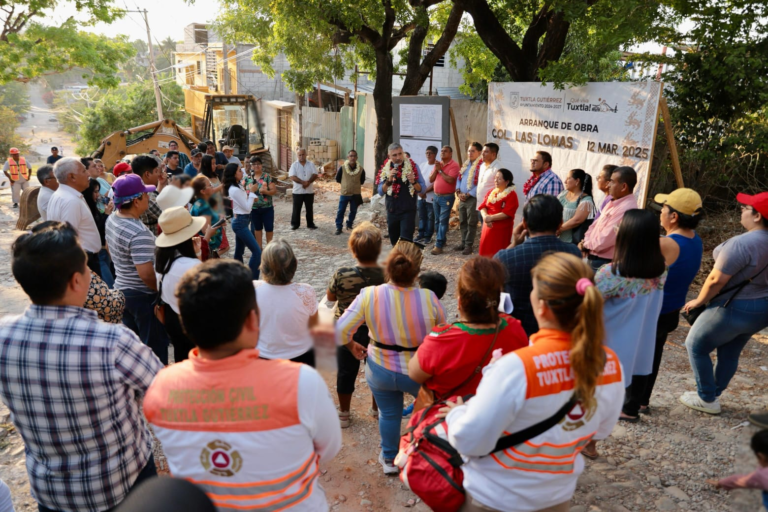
(128, 186)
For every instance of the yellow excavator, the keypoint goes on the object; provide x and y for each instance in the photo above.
(147, 137)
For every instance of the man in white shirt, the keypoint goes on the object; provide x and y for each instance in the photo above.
(302, 173)
(487, 171)
(67, 204)
(426, 197)
(48, 185)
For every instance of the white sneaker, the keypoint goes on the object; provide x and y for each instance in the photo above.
(693, 400)
(388, 465)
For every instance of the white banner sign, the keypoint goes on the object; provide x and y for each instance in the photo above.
(582, 128)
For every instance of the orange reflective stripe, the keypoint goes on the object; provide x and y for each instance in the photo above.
(273, 506)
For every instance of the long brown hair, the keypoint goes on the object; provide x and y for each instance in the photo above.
(556, 276)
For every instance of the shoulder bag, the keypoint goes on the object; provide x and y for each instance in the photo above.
(694, 313)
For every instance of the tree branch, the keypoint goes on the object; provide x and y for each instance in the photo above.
(400, 33)
(554, 43)
(418, 70)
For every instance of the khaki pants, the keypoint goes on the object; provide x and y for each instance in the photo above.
(468, 221)
(472, 505)
(17, 187)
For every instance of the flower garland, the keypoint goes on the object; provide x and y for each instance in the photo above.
(349, 171)
(496, 196)
(404, 173)
(474, 172)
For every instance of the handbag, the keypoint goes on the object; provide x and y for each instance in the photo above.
(357, 199)
(578, 233)
(426, 397)
(160, 305)
(692, 314)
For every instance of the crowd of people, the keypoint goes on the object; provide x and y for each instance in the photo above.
(128, 263)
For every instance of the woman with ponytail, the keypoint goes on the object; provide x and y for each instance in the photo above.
(566, 359)
(578, 206)
(398, 315)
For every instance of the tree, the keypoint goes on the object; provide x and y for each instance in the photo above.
(94, 114)
(8, 136)
(321, 38)
(14, 96)
(29, 49)
(569, 41)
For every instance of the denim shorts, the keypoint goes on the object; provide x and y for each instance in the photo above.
(263, 219)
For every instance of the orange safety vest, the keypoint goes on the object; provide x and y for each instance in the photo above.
(14, 168)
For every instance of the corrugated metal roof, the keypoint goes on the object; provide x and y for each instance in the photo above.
(332, 90)
(453, 93)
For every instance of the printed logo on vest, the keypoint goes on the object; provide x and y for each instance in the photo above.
(219, 459)
(577, 417)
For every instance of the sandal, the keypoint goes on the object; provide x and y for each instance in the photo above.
(592, 453)
(629, 419)
(344, 419)
(645, 409)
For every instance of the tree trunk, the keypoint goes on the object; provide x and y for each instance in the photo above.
(382, 101)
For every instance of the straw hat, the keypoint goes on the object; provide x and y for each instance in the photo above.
(178, 226)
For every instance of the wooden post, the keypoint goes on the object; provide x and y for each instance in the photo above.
(671, 142)
(455, 135)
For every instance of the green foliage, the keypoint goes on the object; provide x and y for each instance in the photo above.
(14, 96)
(92, 115)
(8, 137)
(29, 49)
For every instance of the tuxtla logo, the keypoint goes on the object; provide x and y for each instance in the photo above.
(514, 99)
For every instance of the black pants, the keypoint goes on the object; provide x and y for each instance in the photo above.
(401, 225)
(148, 472)
(181, 344)
(349, 365)
(307, 358)
(639, 392)
(166, 494)
(308, 200)
(93, 263)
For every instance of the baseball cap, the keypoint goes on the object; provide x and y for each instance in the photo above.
(758, 201)
(54, 148)
(128, 186)
(196, 152)
(14, 151)
(683, 200)
(120, 168)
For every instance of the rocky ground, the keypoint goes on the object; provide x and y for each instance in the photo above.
(659, 464)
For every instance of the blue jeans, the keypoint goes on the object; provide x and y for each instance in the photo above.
(241, 225)
(139, 316)
(343, 201)
(442, 207)
(388, 388)
(106, 271)
(426, 219)
(726, 330)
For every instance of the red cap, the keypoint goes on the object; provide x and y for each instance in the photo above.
(14, 151)
(758, 201)
(120, 168)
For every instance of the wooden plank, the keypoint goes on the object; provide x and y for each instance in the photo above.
(455, 135)
(671, 142)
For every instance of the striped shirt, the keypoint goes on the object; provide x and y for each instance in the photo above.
(130, 243)
(74, 386)
(394, 316)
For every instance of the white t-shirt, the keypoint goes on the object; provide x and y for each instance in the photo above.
(485, 181)
(303, 172)
(426, 169)
(284, 313)
(43, 198)
(172, 278)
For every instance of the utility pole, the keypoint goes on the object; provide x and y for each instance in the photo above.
(152, 67)
(225, 69)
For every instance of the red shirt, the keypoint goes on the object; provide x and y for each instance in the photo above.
(440, 185)
(451, 352)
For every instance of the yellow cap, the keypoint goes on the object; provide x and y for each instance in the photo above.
(683, 200)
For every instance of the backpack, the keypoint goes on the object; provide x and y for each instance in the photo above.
(431, 467)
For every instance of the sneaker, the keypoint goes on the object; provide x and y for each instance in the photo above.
(344, 419)
(437, 250)
(693, 400)
(294, 228)
(388, 465)
(15, 205)
(761, 420)
(467, 251)
(312, 227)
(408, 411)
(338, 231)
(419, 240)
(350, 228)
(459, 247)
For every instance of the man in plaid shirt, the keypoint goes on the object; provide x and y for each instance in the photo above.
(543, 179)
(73, 384)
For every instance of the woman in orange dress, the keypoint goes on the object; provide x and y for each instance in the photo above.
(498, 212)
